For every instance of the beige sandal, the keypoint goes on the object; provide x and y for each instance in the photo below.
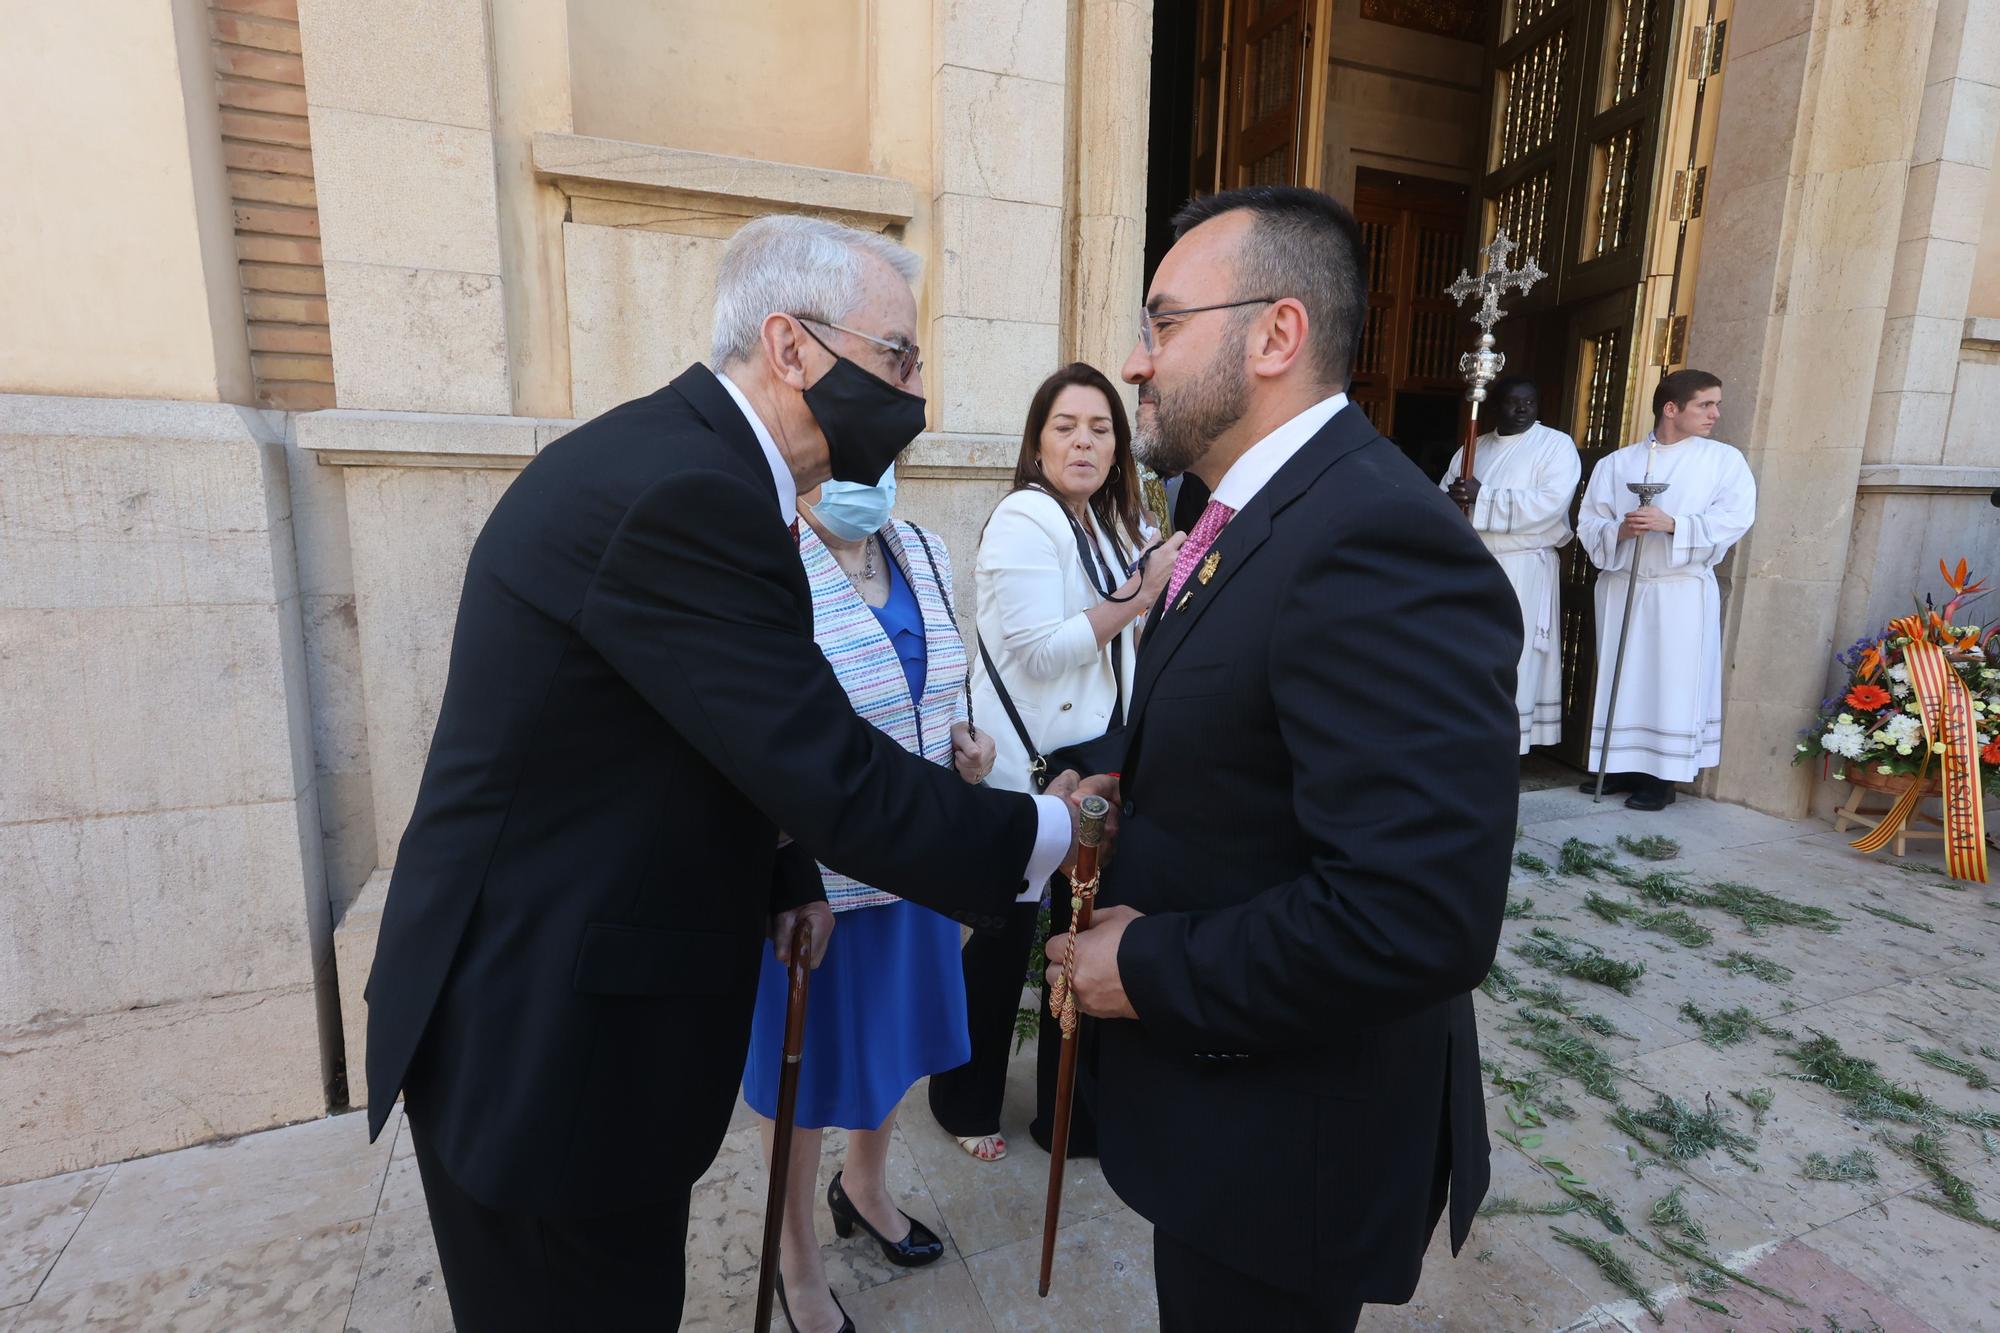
(995, 1147)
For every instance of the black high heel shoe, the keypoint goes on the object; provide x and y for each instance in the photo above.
(846, 1320)
(915, 1250)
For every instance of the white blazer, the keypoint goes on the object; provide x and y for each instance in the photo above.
(1032, 593)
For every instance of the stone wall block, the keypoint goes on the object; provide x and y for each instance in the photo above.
(1019, 37)
(1945, 200)
(1881, 45)
(416, 59)
(1843, 213)
(101, 1089)
(1958, 122)
(1740, 254)
(1805, 502)
(997, 260)
(1758, 143)
(1761, 25)
(987, 370)
(639, 309)
(1972, 435)
(1920, 354)
(418, 339)
(998, 137)
(1913, 424)
(405, 193)
(1932, 278)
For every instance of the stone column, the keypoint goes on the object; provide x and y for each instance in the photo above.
(1812, 164)
(1107, 226)
(995, 282)
(531, 94)
(401, 106)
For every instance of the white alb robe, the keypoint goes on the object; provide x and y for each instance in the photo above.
(1669, 721)
(1526, 485)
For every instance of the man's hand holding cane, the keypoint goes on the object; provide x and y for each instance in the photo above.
(1094, 979)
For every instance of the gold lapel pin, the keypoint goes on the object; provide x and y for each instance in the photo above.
(1186, 597)
(1208, 567)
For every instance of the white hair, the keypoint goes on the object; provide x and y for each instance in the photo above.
(789, 264)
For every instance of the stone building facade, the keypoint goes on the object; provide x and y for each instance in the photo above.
(295, 286)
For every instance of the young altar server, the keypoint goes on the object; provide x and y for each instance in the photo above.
(1524, 479)
(1668, 725)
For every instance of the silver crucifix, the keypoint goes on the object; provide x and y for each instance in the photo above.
(1483, 365)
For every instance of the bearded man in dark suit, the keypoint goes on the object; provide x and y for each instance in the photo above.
(635, 708)
(1317, 788)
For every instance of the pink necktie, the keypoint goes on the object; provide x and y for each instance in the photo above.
(1206, 529)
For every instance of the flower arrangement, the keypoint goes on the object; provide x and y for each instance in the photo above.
(1874, 722)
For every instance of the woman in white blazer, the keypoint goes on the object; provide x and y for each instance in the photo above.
(1063, 579)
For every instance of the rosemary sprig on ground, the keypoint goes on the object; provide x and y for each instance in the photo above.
(1896, 917)
(1586, 860)
(1928, 1152)
(1756, 908)
(1652, 847)
(1974, 1076)
(1615, 1269)
(1725, 1027)
(1679, 927)
(1533, 864)
(1506, 1205)
(1859, 1083)
(1574, 958)
(1499, 983)
(1758, 1100)
(1709, 1264)
(1671, 1211)
(1571, 1056)
(1612, 910)
(1854, 1167)
(1741, 962)
(1691, 1133)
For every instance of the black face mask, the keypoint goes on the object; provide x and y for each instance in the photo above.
(867, 421)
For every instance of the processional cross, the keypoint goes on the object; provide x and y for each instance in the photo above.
(1483, 365)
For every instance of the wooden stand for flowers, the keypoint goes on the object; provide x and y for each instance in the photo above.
(1865, 782)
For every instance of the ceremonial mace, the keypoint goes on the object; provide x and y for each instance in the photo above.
(1483, 365)
(1062, 1003)
(798, 973)
(1647, 491)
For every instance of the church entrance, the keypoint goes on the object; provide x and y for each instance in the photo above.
(1574, 125)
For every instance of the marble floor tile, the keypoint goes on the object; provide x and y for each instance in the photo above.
(993, 1204)
(300, 1282)
(1818, 1289)
(1941, 1269)
(400, 1288)
(403, 1187)
(37, 1219)
(939, 1297)
(1497, 1284)
(1103, 1278)
(180, 1208)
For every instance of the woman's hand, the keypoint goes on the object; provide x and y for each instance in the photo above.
(971, 752)
(1153, 576)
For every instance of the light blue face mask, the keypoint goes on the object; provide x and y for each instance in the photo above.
(851, 510)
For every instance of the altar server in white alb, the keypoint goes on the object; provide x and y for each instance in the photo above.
(1669, 721)
(1524, 480)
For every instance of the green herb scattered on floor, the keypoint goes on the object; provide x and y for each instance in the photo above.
(1896, 917)
(1517, 908)
(1919, 868)
(1499, 983)
(1617, 913)
(1710, 1264)
(1854, 1167)
(1574, 958)
(1679, 927)
(1601, 1025)
(1989, 1052)
(1671, 1211)
(1571, 1056)
(1615, 1269)
(1973, 983)
(1689, 1133)
(1506, 1205)
(1533, 864)
(1586, 860)
(1974, 1076)
(1724, 1027)
(1859, 1082)
(1533, 1092)
(1483, 1257)
(1758, 1100)
(1741, 962)
(1954, 1195)
(1652, 847)
(1755, 908)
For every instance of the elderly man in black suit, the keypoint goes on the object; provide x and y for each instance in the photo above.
(635, 709)
(1317, 795)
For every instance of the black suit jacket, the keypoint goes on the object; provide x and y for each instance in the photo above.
(635, 706)
(1320, 787)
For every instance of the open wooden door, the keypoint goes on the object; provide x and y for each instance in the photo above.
(1259, 93)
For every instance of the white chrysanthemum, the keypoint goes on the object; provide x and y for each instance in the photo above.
(1844, 739)
(1903, 730)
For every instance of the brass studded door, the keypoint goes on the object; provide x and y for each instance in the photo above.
(1573, 158)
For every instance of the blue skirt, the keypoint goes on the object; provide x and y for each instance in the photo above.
(885, 1008)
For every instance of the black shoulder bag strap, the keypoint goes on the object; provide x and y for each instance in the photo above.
(1106, 583)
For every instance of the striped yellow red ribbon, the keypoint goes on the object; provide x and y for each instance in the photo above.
(1951, 736)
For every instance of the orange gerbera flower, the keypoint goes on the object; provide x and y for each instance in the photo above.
(1868, 698)
(1991, 754)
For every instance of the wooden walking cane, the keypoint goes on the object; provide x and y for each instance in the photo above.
(798, 973)
(1062, 1003)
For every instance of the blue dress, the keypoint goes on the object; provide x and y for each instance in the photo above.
(887, 1005)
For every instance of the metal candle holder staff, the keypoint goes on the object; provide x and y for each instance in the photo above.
(1483, 364)
(1062, 1003)
(1647, 491)
(798, 974)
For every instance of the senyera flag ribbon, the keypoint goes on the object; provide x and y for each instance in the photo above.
(1951, 736)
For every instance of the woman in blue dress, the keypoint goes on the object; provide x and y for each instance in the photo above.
(887, 1003)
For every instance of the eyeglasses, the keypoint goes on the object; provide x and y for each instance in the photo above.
(1148, 319)
(909, 356)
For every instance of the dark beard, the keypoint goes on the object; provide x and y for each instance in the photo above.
(1186, 423)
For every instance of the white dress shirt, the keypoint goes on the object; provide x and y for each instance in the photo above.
(1052, 833)
(1261, 461)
